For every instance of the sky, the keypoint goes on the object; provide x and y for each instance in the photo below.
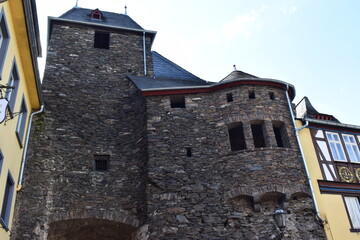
(311, 44)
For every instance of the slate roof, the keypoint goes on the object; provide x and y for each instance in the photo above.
(167, 74)
(109, 18)
(235, 75)
(304, 109)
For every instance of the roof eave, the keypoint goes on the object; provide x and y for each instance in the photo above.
(213, 87)
(333, 124)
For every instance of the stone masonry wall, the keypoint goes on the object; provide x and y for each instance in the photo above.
(90, 108)
(217, 193)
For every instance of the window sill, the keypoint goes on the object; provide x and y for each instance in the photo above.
(354, 230)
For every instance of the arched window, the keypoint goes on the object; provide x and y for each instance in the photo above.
(96, 14)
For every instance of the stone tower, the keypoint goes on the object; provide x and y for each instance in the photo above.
(132, 146)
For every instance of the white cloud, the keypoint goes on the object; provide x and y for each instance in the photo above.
(243, 24)
(290, 8)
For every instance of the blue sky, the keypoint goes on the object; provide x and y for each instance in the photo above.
(312, 44)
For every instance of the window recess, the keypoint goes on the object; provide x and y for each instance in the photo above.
(236, 136)
(229, 97)
(101, 163)
(177, 101)
(280, 134)
(258, 134)
(102, 40)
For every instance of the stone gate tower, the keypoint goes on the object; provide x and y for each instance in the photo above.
(132, 146)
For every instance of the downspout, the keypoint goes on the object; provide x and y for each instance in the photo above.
(19, 186)
(322, 221)
(144, 47)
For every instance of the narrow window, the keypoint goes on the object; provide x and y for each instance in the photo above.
(236, 136)
(353, 207)
(258, 135)
(280, 134)
(272, 95)
(352, 148)
(4, 38)
(13, 82)
(101, 162)
(102, 40)
(177, 101)
(21, 123)
(335, 146)
(7, 201)
(229, 97)
(252, 94)
(1, 161)
(188, 152)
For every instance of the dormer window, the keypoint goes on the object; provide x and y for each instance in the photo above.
(96, 14)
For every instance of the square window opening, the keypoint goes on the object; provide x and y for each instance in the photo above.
(177, 101)
(236, 136)
(258, 134)
(101, 162)
(229, 97)
(251, 94)
(102, 40)
(272, 95)
(188, 152)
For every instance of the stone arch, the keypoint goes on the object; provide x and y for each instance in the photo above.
(91, 225)
(106, 215)
(281, 194)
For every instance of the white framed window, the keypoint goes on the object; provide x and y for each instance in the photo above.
(335, 146)
(352, 147)
(353, 207)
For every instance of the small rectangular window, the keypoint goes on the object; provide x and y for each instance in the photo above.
(336, 146)
(258, 135)
(236, 136)
(102, 40)
(101, 162)
(251, 94)
(21, 123)
(229, 97)
(272, 95)
(177, 101)
(353, 207)
(188, 152)
(7, 201)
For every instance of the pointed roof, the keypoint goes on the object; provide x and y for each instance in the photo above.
(108, 18)
(236, 75)
(304, 109)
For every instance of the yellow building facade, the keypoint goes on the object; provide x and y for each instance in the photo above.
(20, 97)
(332, 155)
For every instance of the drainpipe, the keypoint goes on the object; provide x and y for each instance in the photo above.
(19, 186)
(144, 47)
(322, 221)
